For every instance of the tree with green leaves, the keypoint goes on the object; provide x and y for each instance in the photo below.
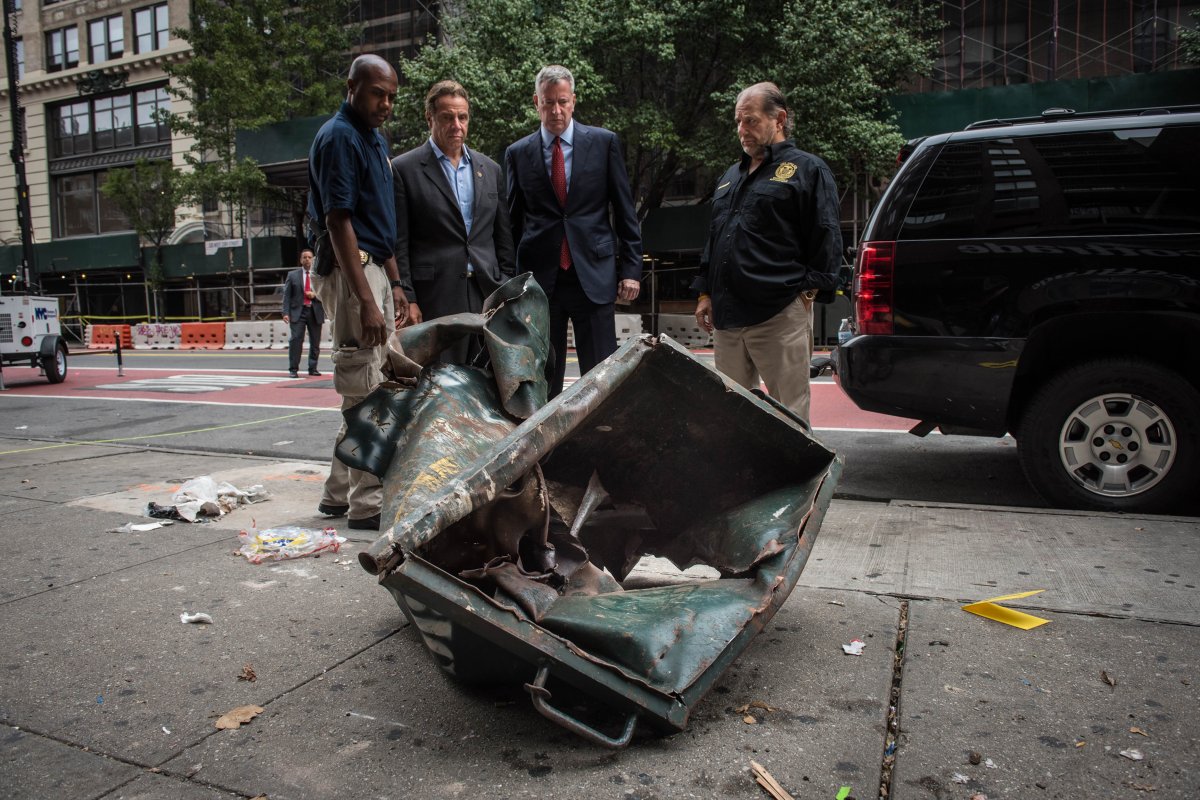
(254, 62)
(147, 194)
(664, 74)
(1189, 40)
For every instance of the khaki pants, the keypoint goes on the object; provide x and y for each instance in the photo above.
(356, 371)
(779, 350)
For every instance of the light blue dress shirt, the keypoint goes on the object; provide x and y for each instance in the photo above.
(568, 138)
(462, 184)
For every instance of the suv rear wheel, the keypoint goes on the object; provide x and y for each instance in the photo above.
(1115, 435)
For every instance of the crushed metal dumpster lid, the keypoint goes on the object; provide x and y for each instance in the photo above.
(514, 530)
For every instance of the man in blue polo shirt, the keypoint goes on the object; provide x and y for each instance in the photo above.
(350, 191)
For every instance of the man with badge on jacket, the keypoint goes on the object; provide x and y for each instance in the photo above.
(774, 241)
(304, 313)
(566, 181)
(454, 245)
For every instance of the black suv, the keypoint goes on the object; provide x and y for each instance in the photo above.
(1042, 277)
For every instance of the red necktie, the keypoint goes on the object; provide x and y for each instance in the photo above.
(558, 177)
(307, 289)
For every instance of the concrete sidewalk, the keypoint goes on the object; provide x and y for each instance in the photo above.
(104, 693)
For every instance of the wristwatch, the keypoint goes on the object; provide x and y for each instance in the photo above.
(397, 284)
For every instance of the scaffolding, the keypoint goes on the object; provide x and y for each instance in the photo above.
(1002, 42)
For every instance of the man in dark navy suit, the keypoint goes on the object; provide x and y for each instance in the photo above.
(304, 313)
(566, 181)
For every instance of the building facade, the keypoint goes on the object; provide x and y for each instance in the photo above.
(92, 87)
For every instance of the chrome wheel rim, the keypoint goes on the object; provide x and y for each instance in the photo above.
(1117, 445)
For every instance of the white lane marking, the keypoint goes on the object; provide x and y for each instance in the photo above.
(191, 383)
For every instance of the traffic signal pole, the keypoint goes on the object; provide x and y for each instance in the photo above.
(17, 118)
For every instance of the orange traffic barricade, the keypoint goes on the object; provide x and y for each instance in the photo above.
(107, 336)
(202, 336)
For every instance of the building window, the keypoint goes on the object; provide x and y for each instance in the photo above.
(152, 105)
(114, 122)
(62, 49)
(106, 38)
(113, 119)
(81, 209)
(150, 28)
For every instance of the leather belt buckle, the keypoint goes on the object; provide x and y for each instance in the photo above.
(364, 257)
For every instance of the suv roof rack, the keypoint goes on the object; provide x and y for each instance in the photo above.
(1058, 114)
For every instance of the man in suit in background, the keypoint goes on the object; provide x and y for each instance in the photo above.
(563, 181)
(454, 244)
(303, 311)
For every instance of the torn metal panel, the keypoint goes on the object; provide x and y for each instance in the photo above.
(510, 533)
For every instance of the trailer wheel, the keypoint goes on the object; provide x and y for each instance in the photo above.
(56, 368)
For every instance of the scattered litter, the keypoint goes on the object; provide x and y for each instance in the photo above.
(166, 730)
(987, 762)
(248, 673)
(979, 796)
(204, 496)
(141, 527)
(1080, 743)
(281, 444)
(939, 643)
(1138, 731)
(768, 782)
(99, 699)
(21, 428)
(855, 648)
(952, 689)
(755, 704)
(198, 618)
(238, 717)
(958, 777)
(1110, 680)
(836, 603)
(1132, 754)
(974, 757)
(276, 544)
(843, 793)
(749, 720)
(1018, 619)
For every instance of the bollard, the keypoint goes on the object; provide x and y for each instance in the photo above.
(120, 363)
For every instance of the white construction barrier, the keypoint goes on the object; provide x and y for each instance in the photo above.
(156, 336)
(281, 332)
(683, 329)
(248, 335)
(628, 327)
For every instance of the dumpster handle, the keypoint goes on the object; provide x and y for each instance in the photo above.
(771, 401)
(540, 694)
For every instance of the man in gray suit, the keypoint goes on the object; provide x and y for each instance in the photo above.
(454, 244)
(304, 312)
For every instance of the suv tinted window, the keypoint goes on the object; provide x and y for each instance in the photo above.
(1105, 182)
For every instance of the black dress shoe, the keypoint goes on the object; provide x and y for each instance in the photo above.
(333, 509)
(365, 524)
(293, 373)
(314, 372)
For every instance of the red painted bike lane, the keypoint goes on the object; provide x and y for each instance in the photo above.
(831, 409)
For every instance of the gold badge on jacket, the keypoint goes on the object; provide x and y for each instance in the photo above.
(784, 171)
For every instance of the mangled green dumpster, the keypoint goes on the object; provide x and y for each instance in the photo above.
(513, 526)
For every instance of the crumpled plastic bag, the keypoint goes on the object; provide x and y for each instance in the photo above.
(277, 544)
(204, 496)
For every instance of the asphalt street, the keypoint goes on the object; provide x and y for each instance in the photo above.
(104, 693)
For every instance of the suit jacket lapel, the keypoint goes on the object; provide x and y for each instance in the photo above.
(581, 148)
(433, 171)
(482, 186)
